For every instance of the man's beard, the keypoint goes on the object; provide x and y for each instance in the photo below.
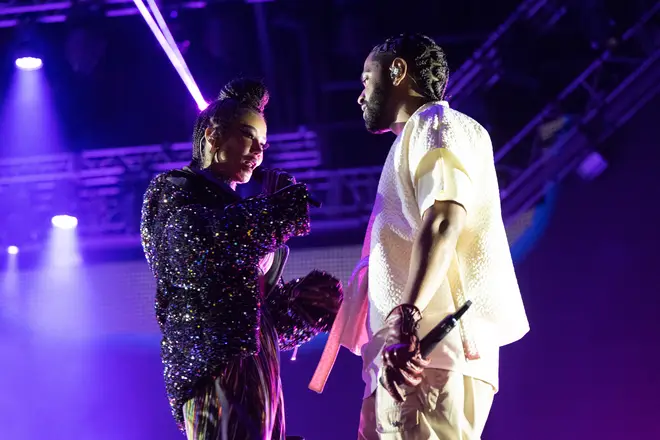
(376, 118)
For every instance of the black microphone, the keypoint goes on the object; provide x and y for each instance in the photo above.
(438, 333)
(259, 173)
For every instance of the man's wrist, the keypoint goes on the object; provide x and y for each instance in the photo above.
(407, 309)
(404, 319)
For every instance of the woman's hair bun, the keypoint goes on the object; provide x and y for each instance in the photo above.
(251, 93)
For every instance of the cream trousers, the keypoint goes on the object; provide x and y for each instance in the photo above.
(445, 406)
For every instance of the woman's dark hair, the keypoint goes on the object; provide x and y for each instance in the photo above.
(427, 63)
(237, 95)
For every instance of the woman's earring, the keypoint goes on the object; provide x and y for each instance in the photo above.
(219, 156)
(202, 143)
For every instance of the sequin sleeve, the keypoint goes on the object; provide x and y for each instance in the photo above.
(204, 254)
(240, 234)
(213, 254)
(305, 307)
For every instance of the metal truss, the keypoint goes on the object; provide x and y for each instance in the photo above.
(294, 151)
(599, 101)
(104, 189)
(484, 68)
(106, 186)
(13, 13)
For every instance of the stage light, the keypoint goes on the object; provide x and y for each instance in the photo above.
(161, 31)
(12, 250)
(64, 222)
(29, 63)
(592, 166)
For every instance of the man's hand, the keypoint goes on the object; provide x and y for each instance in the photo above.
(402, 361)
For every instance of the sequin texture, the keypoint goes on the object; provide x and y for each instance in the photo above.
(305, 307)
(203, 245)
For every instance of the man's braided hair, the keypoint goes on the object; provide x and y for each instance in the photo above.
(239, 94)
(427, 63)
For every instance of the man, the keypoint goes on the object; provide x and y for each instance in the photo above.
(435, 239)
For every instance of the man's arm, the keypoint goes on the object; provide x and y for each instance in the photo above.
(443, 188)
(433, 250)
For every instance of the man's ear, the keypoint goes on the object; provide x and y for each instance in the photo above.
(398, 70)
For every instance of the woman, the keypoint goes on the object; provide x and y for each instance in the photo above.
(221, 305)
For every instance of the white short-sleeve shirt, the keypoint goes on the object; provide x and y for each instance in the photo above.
(444, 155)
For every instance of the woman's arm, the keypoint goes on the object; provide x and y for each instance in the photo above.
(305, 307)
(211, 255)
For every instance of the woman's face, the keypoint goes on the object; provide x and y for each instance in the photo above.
(241, 148)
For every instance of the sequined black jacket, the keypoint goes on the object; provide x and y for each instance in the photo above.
(203, 244)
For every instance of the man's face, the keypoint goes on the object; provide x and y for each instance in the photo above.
(376, 96)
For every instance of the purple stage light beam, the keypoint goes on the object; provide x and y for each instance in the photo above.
(164, 28)
(177, 62)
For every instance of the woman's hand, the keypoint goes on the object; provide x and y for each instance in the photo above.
(275, 180)
(318, 297)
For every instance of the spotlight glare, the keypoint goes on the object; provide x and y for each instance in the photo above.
(12, 250)
(64, 222)
(29, 63)
(203, 106)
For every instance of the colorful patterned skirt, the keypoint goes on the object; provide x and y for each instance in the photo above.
(244, 402)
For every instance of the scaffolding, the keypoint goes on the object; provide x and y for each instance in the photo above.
(108, 184)
(599, 101)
